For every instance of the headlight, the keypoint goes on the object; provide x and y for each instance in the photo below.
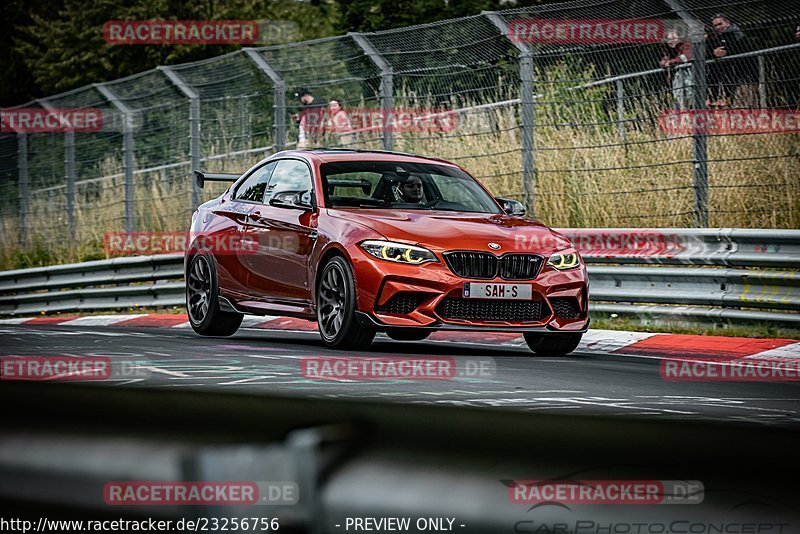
(562, 261)
(398, 252)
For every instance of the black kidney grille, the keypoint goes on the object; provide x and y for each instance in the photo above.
(520, 266)
(486, 266)
(565, 308)
(480, 265)
(401, 303)
(480, 310)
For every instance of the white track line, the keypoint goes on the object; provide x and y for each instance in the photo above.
(787, 351)
(607, 341)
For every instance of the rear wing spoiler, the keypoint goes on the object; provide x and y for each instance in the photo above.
(202, 177)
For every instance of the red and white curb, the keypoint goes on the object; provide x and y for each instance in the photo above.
(641, 344)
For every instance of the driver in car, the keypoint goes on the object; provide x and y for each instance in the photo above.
(412, 190)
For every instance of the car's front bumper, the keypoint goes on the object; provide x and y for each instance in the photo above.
(379, 281)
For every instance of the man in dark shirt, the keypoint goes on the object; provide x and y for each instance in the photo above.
(725, 76)
(310, 119)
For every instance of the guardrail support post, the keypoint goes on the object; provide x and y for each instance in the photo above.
(22, 165)
(279, 97)
(387, 89)
(194, 128)
(527, 112)
(127, 155)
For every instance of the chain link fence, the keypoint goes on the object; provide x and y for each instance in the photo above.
(554, 105)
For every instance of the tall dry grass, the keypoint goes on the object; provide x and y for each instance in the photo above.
(586, 177)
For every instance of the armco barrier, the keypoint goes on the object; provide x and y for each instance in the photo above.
(734, 247)
(626, 273)
(365, 458)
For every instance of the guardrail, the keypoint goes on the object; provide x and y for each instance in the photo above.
(364, 458)
(626, 271)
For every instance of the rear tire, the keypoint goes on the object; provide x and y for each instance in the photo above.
(553, 344)
(336, 308)
(202, 299)
(408, 334)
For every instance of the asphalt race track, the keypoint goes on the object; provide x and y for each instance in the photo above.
(269, 362)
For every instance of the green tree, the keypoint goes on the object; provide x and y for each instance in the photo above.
(64, 48)
(18, 84)
(373, 15)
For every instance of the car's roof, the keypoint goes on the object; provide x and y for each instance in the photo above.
(328, 155)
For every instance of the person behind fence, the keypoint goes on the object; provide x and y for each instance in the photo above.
(337, 124)
(309, 119)
(730, 82)
(679, 52)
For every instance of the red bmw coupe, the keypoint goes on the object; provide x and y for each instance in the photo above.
(364, 241)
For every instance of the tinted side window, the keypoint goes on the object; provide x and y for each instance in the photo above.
(255, 185)
(290, 175)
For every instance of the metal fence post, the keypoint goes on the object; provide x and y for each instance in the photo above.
(621, 110)
(194, 128)
(69, 165)
(387, 88)
(22, 166)
(279, 98)
(762, 82)
(699, 139)
(127, 155)
(527, 112)
(69, 174)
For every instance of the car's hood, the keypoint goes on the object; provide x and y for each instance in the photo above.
(446, 230)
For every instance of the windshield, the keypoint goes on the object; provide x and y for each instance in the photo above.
(393, 185)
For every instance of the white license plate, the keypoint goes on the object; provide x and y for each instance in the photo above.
(473, 290)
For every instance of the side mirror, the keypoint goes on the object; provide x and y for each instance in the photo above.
(512, 207)
(292, 199)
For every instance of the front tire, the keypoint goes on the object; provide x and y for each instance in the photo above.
(553, 344)
(202, 299)
(336, 308)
